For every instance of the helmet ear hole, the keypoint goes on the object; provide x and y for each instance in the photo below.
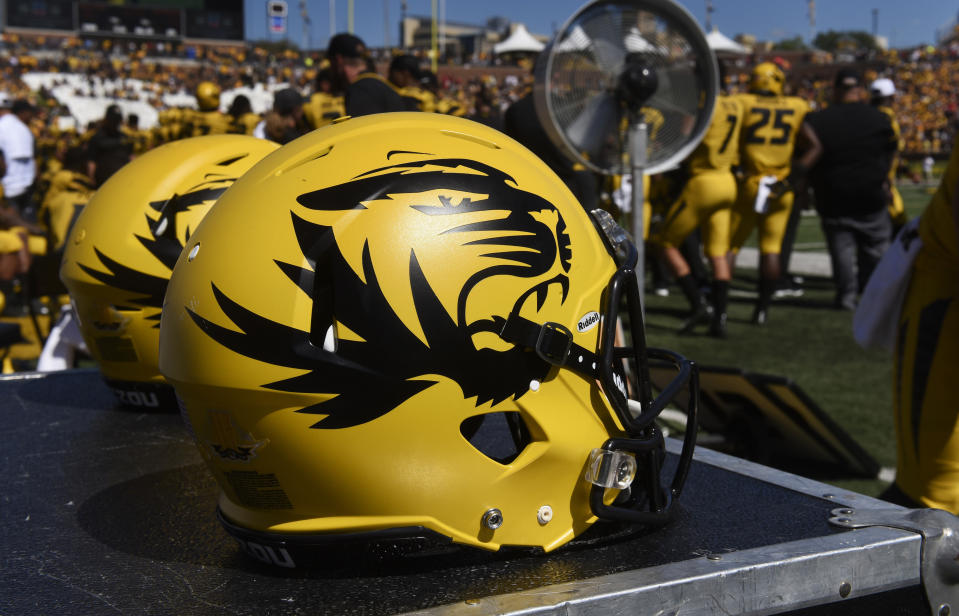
(500, 437)
(329, 340)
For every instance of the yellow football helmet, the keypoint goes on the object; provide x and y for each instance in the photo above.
(405, 323)
(208, 96)
(120, 252)
(767, 78)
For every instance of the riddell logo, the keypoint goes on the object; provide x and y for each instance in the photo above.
(588, 322)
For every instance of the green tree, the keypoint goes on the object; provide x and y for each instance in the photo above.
(833, 40)
(790, 44)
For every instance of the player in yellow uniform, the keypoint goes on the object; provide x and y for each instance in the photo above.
(14, 256)
(405, 75)
(882, 91)
(926, 361)
(770, 124)
(69, 191)
(175, 124)
(435, 101)
(160, 129)
(242, 119)
(142, 139)
(706, 200)
(209, 120)
(324, 105)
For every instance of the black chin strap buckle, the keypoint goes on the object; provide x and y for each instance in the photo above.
(553, 343)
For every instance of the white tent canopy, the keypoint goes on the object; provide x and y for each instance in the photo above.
(576, 40)
(634, 41)
(519, 40)
(720, 42)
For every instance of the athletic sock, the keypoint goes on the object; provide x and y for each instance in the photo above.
(691, 290)
(720, 295)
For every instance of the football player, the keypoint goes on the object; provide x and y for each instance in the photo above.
(209, 120)
(142, 139)
(770, 124)
(69, 191)
(404, 74)
(706, 200)
(324, 105)
(926, 360)
(242, 119)
(882, 92)
(435, 100)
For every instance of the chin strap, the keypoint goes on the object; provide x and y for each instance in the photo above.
(553, 343)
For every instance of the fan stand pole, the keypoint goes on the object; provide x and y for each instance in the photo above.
(637, 162)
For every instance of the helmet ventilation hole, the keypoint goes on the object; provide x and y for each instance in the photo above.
(193, 251)
(472, 138)
(314, 155)
(498, 436)
(231, 160)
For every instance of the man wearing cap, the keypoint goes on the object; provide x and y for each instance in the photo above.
(849, 148)
(17, 144)
(882, 91)
(366, 92)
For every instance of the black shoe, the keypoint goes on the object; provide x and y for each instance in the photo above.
(702, 315)
(759, 316)
(717, 328)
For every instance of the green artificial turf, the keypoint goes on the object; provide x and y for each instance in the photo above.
(809, 236)
(805, 340)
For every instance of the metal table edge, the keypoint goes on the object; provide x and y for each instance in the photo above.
(766, 580)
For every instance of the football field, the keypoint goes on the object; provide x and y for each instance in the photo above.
(805, 340)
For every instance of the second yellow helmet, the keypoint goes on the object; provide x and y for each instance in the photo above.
(767, 78)
(208, 96)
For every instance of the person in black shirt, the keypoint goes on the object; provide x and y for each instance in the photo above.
(109, 148)
(849, 151)
(366, 92)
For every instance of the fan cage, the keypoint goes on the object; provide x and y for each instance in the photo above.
(578, 74)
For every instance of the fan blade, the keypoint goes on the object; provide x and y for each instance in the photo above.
(593, 128)
(606, 35)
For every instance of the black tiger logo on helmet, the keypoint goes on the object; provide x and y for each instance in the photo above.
(164, 244)
(503, 231)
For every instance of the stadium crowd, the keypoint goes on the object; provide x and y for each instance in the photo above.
(92, 105)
